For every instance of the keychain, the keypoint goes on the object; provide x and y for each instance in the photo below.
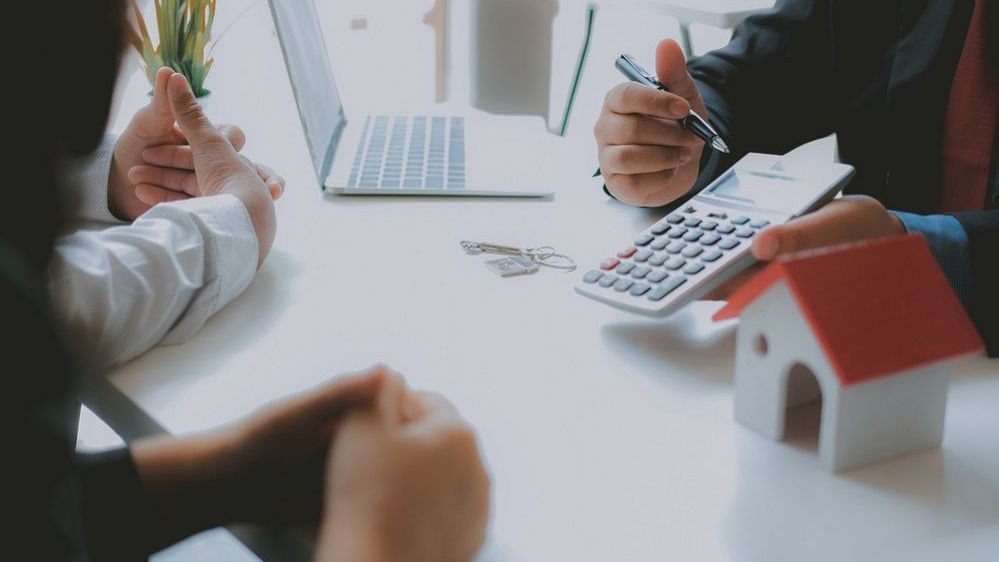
(519, 261)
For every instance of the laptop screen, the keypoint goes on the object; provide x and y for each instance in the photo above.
(311, 75)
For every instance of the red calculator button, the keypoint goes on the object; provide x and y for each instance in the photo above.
(610, 264)
(627, 253)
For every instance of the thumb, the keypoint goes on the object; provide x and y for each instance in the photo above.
(201, 134)
(671, 68)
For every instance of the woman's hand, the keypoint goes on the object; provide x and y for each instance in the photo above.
(153, 161)
(405, 481)
(217, 165)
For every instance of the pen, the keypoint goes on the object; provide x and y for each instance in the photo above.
(693, 122)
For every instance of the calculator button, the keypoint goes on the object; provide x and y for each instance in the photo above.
(625, 268)
(693, 235)
(728, 243)
(676, 232)
(675, 262)
(657, 276)
(709, 225)
(593, 276)
(610, 264)
(627, 253)
(644, 240)
(711, 255)
(739, 221)
(670, 285)
(694, 268)
(710, 239)
(692, 222)
(715, 215)
(658, 259)
(744, 232)
(640, 272)
(675, 247)
(660, 244)
(660, 228)
(608, 280)
(674, 219)
(623, 284)
(690, 210)
(726, 229)
(643, 256)
(639, 289)
(759, 223)
(693, 251)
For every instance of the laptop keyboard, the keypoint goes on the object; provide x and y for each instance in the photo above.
(416, 152)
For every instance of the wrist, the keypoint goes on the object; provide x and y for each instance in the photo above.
(260, 206)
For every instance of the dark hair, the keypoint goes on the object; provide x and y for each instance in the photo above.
(64, 80)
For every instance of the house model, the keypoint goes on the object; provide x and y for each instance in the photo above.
(869, 328)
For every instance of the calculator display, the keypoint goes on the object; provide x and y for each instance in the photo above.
(764, 190)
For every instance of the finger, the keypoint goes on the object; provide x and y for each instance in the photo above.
(319, 406)
(636, 189)
(631, 98)
(832, 224)
(275, 183)
(671, 67)
(233, 134)
(391, 400)
(170, 156)
(632, 159)
(169, 178)
(615, 129)
(154, 194)
(161, 102)
(201, 134)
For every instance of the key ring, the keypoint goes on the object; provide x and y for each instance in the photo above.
(542, 255)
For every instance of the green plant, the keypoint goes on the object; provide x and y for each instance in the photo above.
(185, 31)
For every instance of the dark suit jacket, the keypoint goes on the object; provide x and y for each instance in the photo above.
(58, 505)
(878, 74)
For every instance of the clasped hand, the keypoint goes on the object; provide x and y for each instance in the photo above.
(154, 160)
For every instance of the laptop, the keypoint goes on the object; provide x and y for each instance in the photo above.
(449, 155)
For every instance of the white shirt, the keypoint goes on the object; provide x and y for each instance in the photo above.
(123, 289)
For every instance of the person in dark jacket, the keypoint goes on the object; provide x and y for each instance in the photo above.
(389, 474)
(911, 89)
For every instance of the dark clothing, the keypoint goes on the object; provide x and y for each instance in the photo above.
(58, 505)
(878, 74)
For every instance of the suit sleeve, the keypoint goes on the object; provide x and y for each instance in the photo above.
(983, 236)
(763, 88)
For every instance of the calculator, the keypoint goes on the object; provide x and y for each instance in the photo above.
(705, 242)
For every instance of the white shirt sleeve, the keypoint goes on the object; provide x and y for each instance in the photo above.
(89, 199)
(127, 288)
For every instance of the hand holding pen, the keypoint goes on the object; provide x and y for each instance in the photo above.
(647, 137)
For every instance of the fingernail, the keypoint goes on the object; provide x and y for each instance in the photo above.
(685, 154)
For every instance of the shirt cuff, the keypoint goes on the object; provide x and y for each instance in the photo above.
(234, 243)
(89, 199)
(948, 241)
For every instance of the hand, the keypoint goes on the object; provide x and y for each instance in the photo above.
(267, 469)
(405, 482)
(851, 218)
(152, 128)
(219, 169)
(646, 157)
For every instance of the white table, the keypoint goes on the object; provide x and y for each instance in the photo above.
(609, 437)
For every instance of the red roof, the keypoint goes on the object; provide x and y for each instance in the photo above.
(877, 308)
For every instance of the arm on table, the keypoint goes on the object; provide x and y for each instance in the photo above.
(124, 289)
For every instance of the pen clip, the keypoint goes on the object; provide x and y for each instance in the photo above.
(639, 70)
